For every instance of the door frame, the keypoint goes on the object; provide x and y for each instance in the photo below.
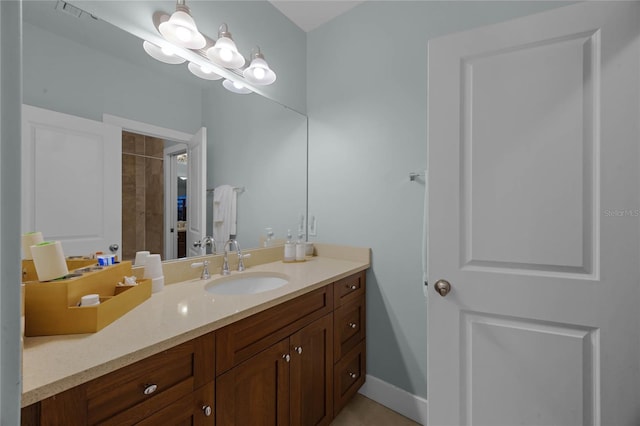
(170, 202)
(152, 130)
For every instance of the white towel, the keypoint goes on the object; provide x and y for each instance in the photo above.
(224, 213)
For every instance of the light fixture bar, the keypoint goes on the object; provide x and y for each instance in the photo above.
(222, 54)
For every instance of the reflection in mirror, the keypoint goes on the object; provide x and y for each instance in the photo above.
(87, 68)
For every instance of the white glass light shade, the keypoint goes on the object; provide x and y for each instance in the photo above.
(205, 73)
(162, 54)
(236, 87)
(224, 52)
(181, 29)
(259, 72)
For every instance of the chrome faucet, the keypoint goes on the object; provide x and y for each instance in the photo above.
(208, 241)
(205, 242)
(225, 264)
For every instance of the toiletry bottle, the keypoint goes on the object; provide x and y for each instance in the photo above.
(300, 248)
(289, 248)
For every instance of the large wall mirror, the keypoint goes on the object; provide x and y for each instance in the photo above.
(86, 67)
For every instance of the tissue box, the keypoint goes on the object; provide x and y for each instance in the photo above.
(52, 307)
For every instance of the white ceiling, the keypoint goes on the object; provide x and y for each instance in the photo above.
(310, 14)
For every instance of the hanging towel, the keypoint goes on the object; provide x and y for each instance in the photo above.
(224, 213)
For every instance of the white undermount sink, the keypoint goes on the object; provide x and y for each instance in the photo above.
(247, 283)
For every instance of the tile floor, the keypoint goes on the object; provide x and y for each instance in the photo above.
(362, 411)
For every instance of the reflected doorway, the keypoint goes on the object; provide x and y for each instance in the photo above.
(176, 203)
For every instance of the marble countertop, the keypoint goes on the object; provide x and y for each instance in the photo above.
(180, 312)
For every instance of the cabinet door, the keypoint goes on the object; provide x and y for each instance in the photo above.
(195, 409)
(256, 392)
(312, 373)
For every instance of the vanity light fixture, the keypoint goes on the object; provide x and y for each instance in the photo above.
(217, 56)
(258, 72)
(236, 87)
(205, 72)
(224, 52)
(164, 54)
(181, 29)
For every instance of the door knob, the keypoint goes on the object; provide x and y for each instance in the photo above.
(113, 248)
(442, 287)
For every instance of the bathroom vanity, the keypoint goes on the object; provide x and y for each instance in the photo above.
(294, 355)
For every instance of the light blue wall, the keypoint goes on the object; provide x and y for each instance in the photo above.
(265, 151)
(66, 76)
(367, 107)
(10, 274)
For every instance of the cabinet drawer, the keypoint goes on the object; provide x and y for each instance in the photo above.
(349, 374)
(349, 327)
(349, 288)
(195, 409)
(132, 393)
(241, 340)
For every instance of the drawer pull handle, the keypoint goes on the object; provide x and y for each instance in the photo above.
(353, 325)
(206, 409)
(298, 349)
(286, 357)
(149, 389)
(351, 287)
(352, 375)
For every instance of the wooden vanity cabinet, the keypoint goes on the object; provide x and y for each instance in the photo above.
(349, 354)
(257, 388)
(195, 409)
(288, 382)
(164, 382)
(297, 363)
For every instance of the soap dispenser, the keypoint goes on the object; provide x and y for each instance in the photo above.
(289, 248)
(300, 248)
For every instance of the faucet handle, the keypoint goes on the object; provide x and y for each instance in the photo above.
(241, 258)
(205, 269)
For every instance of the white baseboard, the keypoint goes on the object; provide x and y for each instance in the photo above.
(399, 400)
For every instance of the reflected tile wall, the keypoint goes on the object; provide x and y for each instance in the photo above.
(142, 195)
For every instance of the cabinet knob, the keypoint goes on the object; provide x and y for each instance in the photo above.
(352, 375)
(353, 325)
(298, 349)
(286, 357)
(149, 389)
(351, 287)
(206, 409)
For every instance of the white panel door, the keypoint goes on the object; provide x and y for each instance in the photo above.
(71, 180)
(533, 214)
(196, 191)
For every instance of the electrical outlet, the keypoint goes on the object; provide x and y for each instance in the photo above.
(313, 227)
